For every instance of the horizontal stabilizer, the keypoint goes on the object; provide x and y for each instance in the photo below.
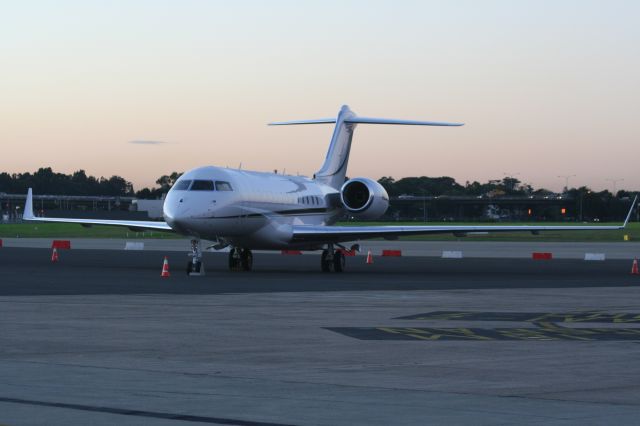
(317, 121)
(366, 120)
(369, 120)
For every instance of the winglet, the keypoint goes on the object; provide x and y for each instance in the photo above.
(633, 204)
(28, 206)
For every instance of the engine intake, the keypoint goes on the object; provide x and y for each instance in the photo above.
(364, 198)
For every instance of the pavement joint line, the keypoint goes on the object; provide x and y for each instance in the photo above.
(234, 422)
(577, 401)
(342, 385)
(141, 413)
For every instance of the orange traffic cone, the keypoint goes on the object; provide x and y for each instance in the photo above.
(369, 258)
(634, 267)
(54, 255)
(165, 268)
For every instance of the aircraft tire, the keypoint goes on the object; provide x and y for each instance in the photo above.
(338, 261)
(325, 264)
(246, 259)
(234, 260)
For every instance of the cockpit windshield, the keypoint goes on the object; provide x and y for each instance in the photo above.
(202, 185)
(182, 185)
(223, 186)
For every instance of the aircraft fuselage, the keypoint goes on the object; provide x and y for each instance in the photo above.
(246, 208)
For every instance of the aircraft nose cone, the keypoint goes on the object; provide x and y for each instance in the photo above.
(173, 211)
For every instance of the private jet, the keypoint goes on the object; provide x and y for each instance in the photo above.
(244, 210)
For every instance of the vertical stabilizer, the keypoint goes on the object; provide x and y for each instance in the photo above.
(334, 169)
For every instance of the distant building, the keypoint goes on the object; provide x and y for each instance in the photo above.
(152, 207)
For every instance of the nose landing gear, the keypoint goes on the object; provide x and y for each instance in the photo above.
(195, 265)
(240, 259)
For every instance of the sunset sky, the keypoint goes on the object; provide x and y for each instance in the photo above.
(546, 88)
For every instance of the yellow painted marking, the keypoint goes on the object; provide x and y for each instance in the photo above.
(542, 318)
(524, 334)
(435, 334)
(621, 318)
(567, 333)
(588, 316)
(411, 332)
(470, 334)
(444, 316)
(576, 331)
(422, 334)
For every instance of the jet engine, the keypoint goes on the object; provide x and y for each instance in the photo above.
(364, 198)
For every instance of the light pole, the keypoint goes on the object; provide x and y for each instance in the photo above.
(581, 200)
(424, 205)
(566, 181)
(615, 184)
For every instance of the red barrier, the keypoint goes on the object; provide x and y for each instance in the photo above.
(393, 253)
(61, 244)
(291, 252)
(347, 252)
(0, 243)
(542, 256)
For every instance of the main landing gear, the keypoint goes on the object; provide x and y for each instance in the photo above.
(332, 260)
(240, 259)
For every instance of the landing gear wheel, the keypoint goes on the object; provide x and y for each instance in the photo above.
(194, 268)
(246, 259)
(234, 259)
(326, 261)
(338, 261)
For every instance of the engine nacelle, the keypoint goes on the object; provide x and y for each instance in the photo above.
(364, 198)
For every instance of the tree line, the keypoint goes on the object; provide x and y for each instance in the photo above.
(46, 181)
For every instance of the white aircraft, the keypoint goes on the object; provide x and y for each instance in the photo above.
(247, 210)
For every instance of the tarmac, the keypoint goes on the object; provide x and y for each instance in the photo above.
(100, 338)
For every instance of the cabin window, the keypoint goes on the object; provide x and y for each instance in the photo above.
(202, 185)
(182, 185)
(223, 186)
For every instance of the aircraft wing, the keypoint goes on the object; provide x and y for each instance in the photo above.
(305, 233)
(133, 224)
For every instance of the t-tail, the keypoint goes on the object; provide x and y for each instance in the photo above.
(334, 169)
